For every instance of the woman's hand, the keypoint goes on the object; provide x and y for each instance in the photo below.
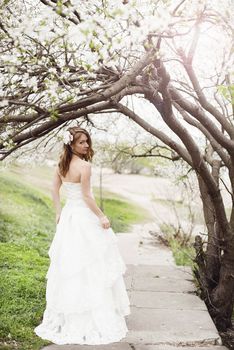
(105, 222)
(57, 218)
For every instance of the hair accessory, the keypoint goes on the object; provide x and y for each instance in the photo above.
(67, 137)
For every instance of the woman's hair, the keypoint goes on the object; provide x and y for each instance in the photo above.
(66, 156)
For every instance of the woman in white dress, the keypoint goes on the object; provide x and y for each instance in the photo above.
(86, 297)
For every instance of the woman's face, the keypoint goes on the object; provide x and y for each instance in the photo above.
(81, 145)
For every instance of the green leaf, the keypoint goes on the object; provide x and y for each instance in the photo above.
(227, 91)
(54, 114)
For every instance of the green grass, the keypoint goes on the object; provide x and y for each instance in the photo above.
(183, 251)
(26, 214)
(26, 230)
(22, 297)
(125, 213)
(38, 176)
(183, 255)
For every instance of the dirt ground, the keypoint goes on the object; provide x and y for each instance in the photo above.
(159, 196)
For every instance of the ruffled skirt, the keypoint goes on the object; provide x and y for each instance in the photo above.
(86, 297)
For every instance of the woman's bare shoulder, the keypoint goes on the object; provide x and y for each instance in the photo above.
(56, 170)
(82, 164)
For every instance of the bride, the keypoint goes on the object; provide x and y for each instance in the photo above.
(86, 297)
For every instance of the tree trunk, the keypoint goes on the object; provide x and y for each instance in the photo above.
(213, 250)
(219, 257)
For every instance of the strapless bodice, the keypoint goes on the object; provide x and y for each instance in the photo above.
(74, 193)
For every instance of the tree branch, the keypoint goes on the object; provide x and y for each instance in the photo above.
(159, 134)
(198, 162)
(60, 13)
(202, 98)
(200, 115)
(52, 124)
(216, 146)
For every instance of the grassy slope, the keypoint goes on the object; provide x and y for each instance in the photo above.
(22, 298)
(121, 213)
(26, 214)
(26, 230)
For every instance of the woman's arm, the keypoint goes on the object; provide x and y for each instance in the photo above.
(57, 182)
(88, 198)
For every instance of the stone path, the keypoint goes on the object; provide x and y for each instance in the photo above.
(165, 314)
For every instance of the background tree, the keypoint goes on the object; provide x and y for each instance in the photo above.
(129, 157)
(69, 60)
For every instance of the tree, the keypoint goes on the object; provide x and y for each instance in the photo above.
(78, 62)
(126, 157)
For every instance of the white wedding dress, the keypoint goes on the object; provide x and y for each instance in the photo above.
(86, 297)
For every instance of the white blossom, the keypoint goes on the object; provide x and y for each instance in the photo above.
(3, 103)
(32, 82)
(67, 137)
(52, 70)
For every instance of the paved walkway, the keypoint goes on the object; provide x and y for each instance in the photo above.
(165, 312)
